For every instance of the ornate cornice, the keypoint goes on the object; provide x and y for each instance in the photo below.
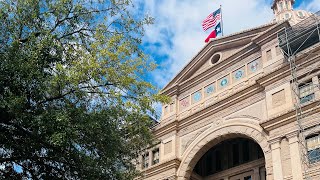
(289, 116)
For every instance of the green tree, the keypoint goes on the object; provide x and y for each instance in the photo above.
(73, 100)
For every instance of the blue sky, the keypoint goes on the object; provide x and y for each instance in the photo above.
(177, 35)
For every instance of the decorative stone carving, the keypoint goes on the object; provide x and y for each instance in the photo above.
(187, 139)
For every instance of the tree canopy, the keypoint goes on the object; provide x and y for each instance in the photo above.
(74, 103)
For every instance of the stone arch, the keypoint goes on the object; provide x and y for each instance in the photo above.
(240, 127)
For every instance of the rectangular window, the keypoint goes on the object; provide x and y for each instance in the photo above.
(306, 91)
(269, 55)
(155, 156)
(145, 160)
(313, 145)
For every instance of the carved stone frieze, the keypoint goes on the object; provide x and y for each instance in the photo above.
(189, 138)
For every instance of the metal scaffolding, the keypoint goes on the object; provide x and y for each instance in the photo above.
(301, 41)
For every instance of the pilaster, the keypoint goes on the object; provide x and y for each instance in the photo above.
(256, 173)
(295, 156)
(276, 159)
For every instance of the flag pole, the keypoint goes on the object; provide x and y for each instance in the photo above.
(221, 19)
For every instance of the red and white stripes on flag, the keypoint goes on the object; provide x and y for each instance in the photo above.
(212, 20)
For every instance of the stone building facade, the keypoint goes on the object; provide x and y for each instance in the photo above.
(232, 114)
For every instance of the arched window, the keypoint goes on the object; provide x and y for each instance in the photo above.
(281, 6)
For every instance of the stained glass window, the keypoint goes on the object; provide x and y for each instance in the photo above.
(253, 66)
(224, 82)
(196, 97)
(184, 103)
(238, 74)
(210, 89)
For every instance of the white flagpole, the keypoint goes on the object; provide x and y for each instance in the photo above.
(221, 19)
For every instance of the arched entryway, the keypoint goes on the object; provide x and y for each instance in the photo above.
(245, 128)
(232, 159)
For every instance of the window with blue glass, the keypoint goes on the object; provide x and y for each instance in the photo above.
(196, 97)
(238, 74)
(313, 145)
(253, 66)
(224, 82)
(210, 89)
(306, 91)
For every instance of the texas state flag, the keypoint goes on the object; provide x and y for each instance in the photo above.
(214, 33)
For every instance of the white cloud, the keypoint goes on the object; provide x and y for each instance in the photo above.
(313, 5)
(177, 32)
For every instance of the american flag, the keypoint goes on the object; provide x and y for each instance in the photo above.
(211, 20)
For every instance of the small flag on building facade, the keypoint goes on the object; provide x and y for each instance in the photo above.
(213, 20)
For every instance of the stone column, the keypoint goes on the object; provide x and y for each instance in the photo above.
(150, 158)
(276, 159)
(256, 173)
(295, 156)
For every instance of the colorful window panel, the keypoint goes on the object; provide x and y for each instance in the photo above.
(184, 103)
(239, 74)
(224, 82)
(209, 90)
(196, 97)
(253, 66)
